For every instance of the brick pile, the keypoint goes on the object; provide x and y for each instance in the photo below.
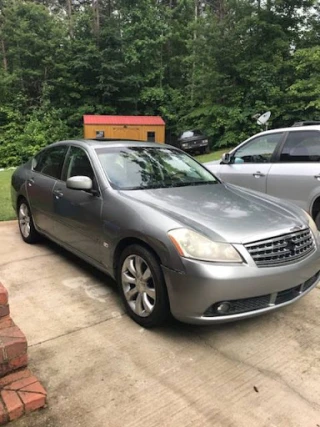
(20, 391)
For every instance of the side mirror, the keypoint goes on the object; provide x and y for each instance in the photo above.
(226, 158)
(79, 183)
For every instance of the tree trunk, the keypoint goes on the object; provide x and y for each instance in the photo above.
(196, 9)
(96, 17)
(4, 55)
(69, 11)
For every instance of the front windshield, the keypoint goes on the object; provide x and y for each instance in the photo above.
(131, 168)
(190, 133)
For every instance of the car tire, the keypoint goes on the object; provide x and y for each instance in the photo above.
(142, 287)
(317, 220)
(207, 149)
(26, 225)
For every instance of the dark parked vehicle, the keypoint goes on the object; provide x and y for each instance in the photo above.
(193, 141)
(174, 237)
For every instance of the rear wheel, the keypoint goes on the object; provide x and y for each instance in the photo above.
(142, 287)
(26, 226)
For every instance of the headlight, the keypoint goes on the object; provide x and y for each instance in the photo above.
(190, 244)
(312, 225)
(205, 140)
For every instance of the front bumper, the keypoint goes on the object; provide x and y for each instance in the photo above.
(195, 145)
(193, 293)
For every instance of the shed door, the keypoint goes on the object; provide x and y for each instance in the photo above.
(127, 133)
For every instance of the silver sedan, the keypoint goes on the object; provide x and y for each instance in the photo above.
(176, 239)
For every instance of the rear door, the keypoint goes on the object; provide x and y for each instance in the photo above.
(46, 171)
(251, 162)
(296, 176)
(78, 213)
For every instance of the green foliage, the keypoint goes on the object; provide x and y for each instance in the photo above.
(6, 209)
(206, 64)
(22, 136)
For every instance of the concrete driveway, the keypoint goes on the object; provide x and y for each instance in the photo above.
(101, 369)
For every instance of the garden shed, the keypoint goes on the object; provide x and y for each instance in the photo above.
(143, 128)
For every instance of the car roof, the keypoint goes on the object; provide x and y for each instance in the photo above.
(290, 129)
(103, 143)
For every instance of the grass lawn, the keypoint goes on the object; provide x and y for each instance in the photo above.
(215, 155)
(6, 211)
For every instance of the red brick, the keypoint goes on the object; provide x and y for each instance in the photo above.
(35, 387)
(14, 346)
(4, 310)
(23, 382)
(3, 414)
(4, 369)
(32, 401)
(3, 295)
(18, 362)
(3, 355)
(6, 322)
(15, 376)
(13, 404)
(12, 332)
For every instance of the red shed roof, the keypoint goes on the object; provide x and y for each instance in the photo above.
(122, 120)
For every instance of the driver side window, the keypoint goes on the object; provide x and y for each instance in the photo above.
(258, 150)
(78, 164)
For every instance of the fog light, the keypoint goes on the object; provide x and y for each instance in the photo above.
(223, 308)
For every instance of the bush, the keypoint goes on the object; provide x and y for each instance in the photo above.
(22, 136)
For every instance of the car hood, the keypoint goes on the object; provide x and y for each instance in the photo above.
(223, 212)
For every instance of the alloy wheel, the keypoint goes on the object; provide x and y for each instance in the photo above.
(138, 285)
(24, 220)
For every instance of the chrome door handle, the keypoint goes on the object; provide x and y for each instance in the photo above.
(258, 174)
(30, 182)
(58, 193)
(317, 177)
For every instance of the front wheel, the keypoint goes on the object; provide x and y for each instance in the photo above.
(26, 226)
(142, 287)
(317, 220)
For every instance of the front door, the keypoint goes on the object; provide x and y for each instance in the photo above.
(45, 173)
(78, 213)
(251, 163)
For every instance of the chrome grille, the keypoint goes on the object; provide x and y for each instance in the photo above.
(282, 249)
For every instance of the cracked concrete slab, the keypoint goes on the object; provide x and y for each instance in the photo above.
(101, 369)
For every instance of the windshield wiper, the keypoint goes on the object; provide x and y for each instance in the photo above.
(171, 184)
(192, 183)
(143, 187)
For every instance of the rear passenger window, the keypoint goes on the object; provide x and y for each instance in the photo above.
(301, 146)
(50, 161)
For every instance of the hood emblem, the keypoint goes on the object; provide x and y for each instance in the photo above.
(297, 228)
(291, 246)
